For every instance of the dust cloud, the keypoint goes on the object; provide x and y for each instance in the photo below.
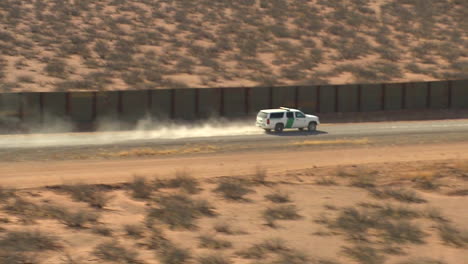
(109, 132)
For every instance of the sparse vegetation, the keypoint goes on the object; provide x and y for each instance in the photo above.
(233, 189)
(180, 211)
(214, 259)
(280, 212)
(141, 188)
(28, 241)
(135, 231)
(90, 194)
(213, 243)
(278, 197)
(111, 251)
(452, 236)
(402, 195)
(364, 254)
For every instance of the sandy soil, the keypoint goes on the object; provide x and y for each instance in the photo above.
(36, 174)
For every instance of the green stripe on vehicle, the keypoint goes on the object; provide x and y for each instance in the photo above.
(290, 123)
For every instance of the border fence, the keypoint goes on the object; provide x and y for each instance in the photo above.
(86, 108)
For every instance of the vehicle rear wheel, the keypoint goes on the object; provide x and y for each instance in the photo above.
(312, 127)
(279, 128)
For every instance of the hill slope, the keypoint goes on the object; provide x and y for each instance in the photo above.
(135, 44)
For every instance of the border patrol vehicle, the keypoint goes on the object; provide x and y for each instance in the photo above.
(283, 118)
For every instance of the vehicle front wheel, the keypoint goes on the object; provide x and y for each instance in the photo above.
(312, 127)
(279, 128)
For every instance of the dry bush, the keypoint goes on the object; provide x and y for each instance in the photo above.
(135, 231)
(102, 230)
(174, 255)
(141, 188)
(453, 236)
(326, 181)
(233, 189)
(402, 232)
(112, 251)
(76, 219)
(278, 197)
(461, 192)
(56, 68)
(364, 254)
(259, 251)
(280, 212)
(292, 257)
(185, 181)
(180, 211)
(214, 259)
(28, 241)
(213, 243)
(400, 194)
(90, 194)
(422, 261)
(26, 210)
(6, 194)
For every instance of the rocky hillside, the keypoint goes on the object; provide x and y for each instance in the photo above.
(48, 45)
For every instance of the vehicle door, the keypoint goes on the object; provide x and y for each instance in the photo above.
(301, 120)
(290, 123)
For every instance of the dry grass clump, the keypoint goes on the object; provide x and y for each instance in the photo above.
(171, 254)
(364, 254)
(326, 181)
(274, 247)
(20, 242)
(213, 243)
(141, 188)
(102, 230)
(214, 259)
(135, 231)
(280, 212)
(453, 236)
(233, 189)
(278, 197)
(91, 194)
(179, 211)
(113, 252)
(6, 194)
(461, 192)
(402, 195)
(76, 219)
(185, 181)
(422, 261)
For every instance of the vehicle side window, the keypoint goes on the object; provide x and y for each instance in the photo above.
(290, 115)
(276, 115)
(300, 115)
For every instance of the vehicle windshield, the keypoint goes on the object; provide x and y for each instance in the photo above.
(262, 115)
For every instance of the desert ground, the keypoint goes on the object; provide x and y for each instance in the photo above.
(323, 202)
(55, 45)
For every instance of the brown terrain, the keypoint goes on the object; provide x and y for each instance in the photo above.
(361, 203)
(64, 45)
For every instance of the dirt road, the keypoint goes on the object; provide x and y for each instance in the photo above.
(35, 174)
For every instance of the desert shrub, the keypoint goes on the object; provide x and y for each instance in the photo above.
(260, 176)
(102, 49)
(135, 231)
(180, 211)
(421, 261)
(403, 232)
(355, 223)
(232, 189)
(389, 211)
(292, 257)
(326, 181)
(111, 251)
(141, 188)
(364, 180)
(174, 255)
(453, 236)
(461, 192)
(185, 181)
(213, 243)
(278, 197)
(224, 228)
(132, 77)
(214, 259)
(56, 68)
(185, 65)
(402, 195)
(281, 212)
(102, 230)
(27, 241)
(6, 194)
(259, 250)
(364, 254)
(76, 219)
(25, 79)
(25, 209)
(90, 194)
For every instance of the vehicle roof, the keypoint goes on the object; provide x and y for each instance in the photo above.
(279, 110)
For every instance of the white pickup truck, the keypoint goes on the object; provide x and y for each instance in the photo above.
(283, 117)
